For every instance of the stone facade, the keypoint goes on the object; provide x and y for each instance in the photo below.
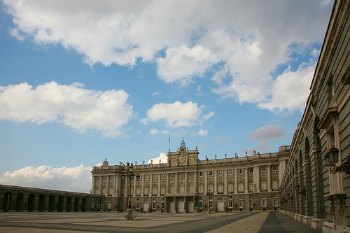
(312, 190)
(187, 184)
(25, 199)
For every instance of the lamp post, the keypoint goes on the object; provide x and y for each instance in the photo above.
(129, 173)
(331, 159)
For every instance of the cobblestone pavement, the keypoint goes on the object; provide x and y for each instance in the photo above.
(247, 222)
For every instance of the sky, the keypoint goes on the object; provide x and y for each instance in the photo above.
(82, 81)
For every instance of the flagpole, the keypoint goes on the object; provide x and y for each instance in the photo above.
(169, 143)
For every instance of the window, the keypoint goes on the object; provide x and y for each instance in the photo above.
(210, 204)
(138, 191)
(250, 170)
(172, 188)
(241, 204)
(230, 172)
(154, 177)
(221, 172)
(263, 186)
(241, 187)
(191, 188)
(200, 174)
(241, 171)
(210, 188)
(274, 185)
(263, 203)
(230, 188)
(182, 188)
(274, 168)
(154, 191)
(163, 176)
(146, 192)
(251, 186)
(230, 204)
(330, 89)
(200, 204)
(230, 197)
(220, 189)
(200, 189)
(263, 168)
(162, 191)
(210, 173)
(275, 202)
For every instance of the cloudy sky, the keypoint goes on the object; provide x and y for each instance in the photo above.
(85, 80)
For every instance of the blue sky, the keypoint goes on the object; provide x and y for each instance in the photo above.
(85, 81)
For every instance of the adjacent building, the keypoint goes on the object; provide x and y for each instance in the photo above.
(315, 188)
(187, 184)
(28, 199)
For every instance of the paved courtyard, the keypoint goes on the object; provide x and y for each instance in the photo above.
(247, 222)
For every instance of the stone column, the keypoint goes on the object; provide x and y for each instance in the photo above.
(150, 186)
(93, 185)
(101, 185)
(134, 193)
(235, 172)
(246, 180)
(215, 182)
(176, 189)
(126, 190)
(142, 184)
(116, 187)
(268, 178)
(225, 182)
(159, 185)
(185, 182)
(205, 182)
(256, 178)
(36, 203)
(167, 184)
(107, 186)
(195, 183)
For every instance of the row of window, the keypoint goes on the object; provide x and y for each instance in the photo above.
(220, 188)
(210, 173)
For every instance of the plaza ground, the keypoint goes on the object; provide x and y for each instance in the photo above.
(247, 222)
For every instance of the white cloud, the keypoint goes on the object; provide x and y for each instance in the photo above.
(182, 63)
(266, 133)
(177, 114)
(71, 105)
(290, 90)
(157, 131)
(163, 158)
(153, 131)
(184, 38)
(203, 132)
(155, 93)
(76, 179)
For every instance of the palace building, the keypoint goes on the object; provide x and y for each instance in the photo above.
(187, 184)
